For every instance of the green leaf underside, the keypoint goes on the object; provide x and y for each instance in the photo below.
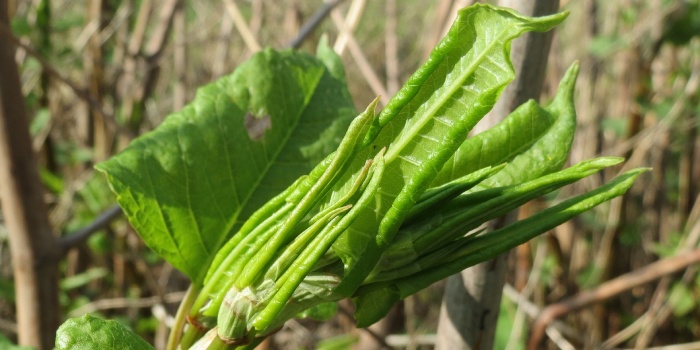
(533, 140)
(189, 184)
(550, 152)
(372, 306)
(426, 122)
(89, 332)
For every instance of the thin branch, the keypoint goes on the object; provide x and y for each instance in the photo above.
(71, 240)
(610, 289)
(312, 23)
(629, 332)
(81, 92)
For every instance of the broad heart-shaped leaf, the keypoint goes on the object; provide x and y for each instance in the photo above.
(535, 141)
(187, 186)
(428, 119)
(89, 332)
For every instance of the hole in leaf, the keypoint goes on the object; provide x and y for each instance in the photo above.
(256, 126)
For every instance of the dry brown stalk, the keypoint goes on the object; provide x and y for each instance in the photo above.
(32, 244)
(610, 289)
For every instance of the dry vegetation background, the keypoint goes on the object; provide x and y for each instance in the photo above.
(98, 73)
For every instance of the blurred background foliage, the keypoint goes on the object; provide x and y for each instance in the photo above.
(98, 73)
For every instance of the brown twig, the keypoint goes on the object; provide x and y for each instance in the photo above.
(661, 307)
(69, 241)
(610, 289)
(133, 49)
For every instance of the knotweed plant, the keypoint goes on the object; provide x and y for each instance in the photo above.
(319, 205)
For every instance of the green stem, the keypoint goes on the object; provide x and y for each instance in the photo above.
(181, 318)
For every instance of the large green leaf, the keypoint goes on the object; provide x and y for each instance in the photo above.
(187, 186)
(428, 119)
(89, 332)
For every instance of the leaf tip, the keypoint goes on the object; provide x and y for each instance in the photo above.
(546, 23)
(567, 86)
(373, 105)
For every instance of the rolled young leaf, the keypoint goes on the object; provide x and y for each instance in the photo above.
(496, 242)
(428, 119)
(533, 141)
(487, 246)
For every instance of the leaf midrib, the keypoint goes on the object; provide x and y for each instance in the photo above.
(392, 152)
(234, 217)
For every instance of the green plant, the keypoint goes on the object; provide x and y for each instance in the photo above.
(219, 188)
